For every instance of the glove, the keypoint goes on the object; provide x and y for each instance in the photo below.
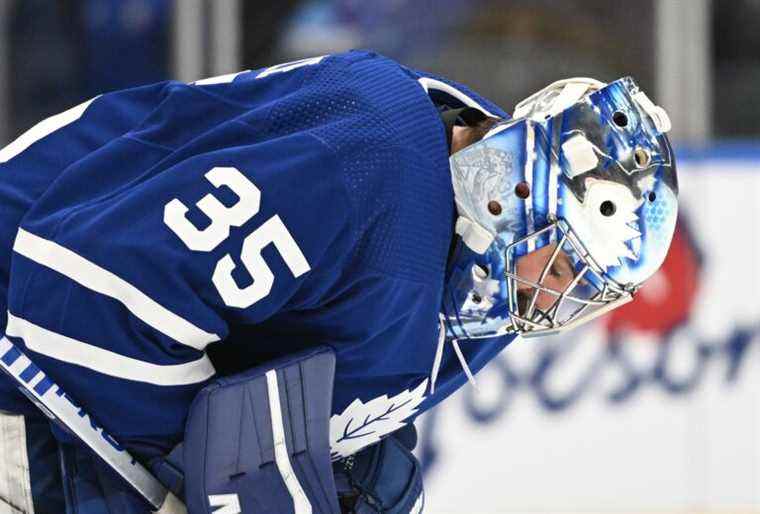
(384, 478)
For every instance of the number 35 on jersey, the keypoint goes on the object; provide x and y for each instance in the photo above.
(272, 231)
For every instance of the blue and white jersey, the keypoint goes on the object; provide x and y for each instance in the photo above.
(251, 215)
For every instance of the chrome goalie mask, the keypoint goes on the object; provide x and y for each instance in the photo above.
(584, 171)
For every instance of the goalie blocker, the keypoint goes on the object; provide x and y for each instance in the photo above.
(259, 442)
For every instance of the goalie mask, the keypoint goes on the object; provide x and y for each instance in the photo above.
(584, 177)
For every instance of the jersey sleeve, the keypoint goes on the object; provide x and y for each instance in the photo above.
(38, 157)
(32, 162)
(145, 248)
(235, 234)
(121, 295)
(201, 187)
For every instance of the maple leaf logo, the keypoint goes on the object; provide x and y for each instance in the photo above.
(363, 424)
(609, 237)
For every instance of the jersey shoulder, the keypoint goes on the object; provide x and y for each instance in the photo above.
(394, 160)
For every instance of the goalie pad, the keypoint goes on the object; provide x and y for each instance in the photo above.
(259, 441)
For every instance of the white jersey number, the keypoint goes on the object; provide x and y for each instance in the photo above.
(222, 218)
(273, 231)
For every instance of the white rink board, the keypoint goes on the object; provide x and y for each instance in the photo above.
(686, 440)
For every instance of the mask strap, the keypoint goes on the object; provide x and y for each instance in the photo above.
(439, 357)
(477, 238)
(438, 353)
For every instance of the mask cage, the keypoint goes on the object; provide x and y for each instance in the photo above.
(588, 295)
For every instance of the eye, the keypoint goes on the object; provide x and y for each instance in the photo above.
(562, 268)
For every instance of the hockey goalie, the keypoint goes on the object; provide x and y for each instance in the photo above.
(237, 295)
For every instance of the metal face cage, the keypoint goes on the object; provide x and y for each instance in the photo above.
(588, 295)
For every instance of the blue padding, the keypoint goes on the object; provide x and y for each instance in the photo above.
(229, 446)
(44, 466)
(91, 487)
(169, 471)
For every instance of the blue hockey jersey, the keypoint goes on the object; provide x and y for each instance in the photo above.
(244, 217)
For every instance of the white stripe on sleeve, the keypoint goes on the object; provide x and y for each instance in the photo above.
(42, 130)
(73, 351)
(90, 275)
